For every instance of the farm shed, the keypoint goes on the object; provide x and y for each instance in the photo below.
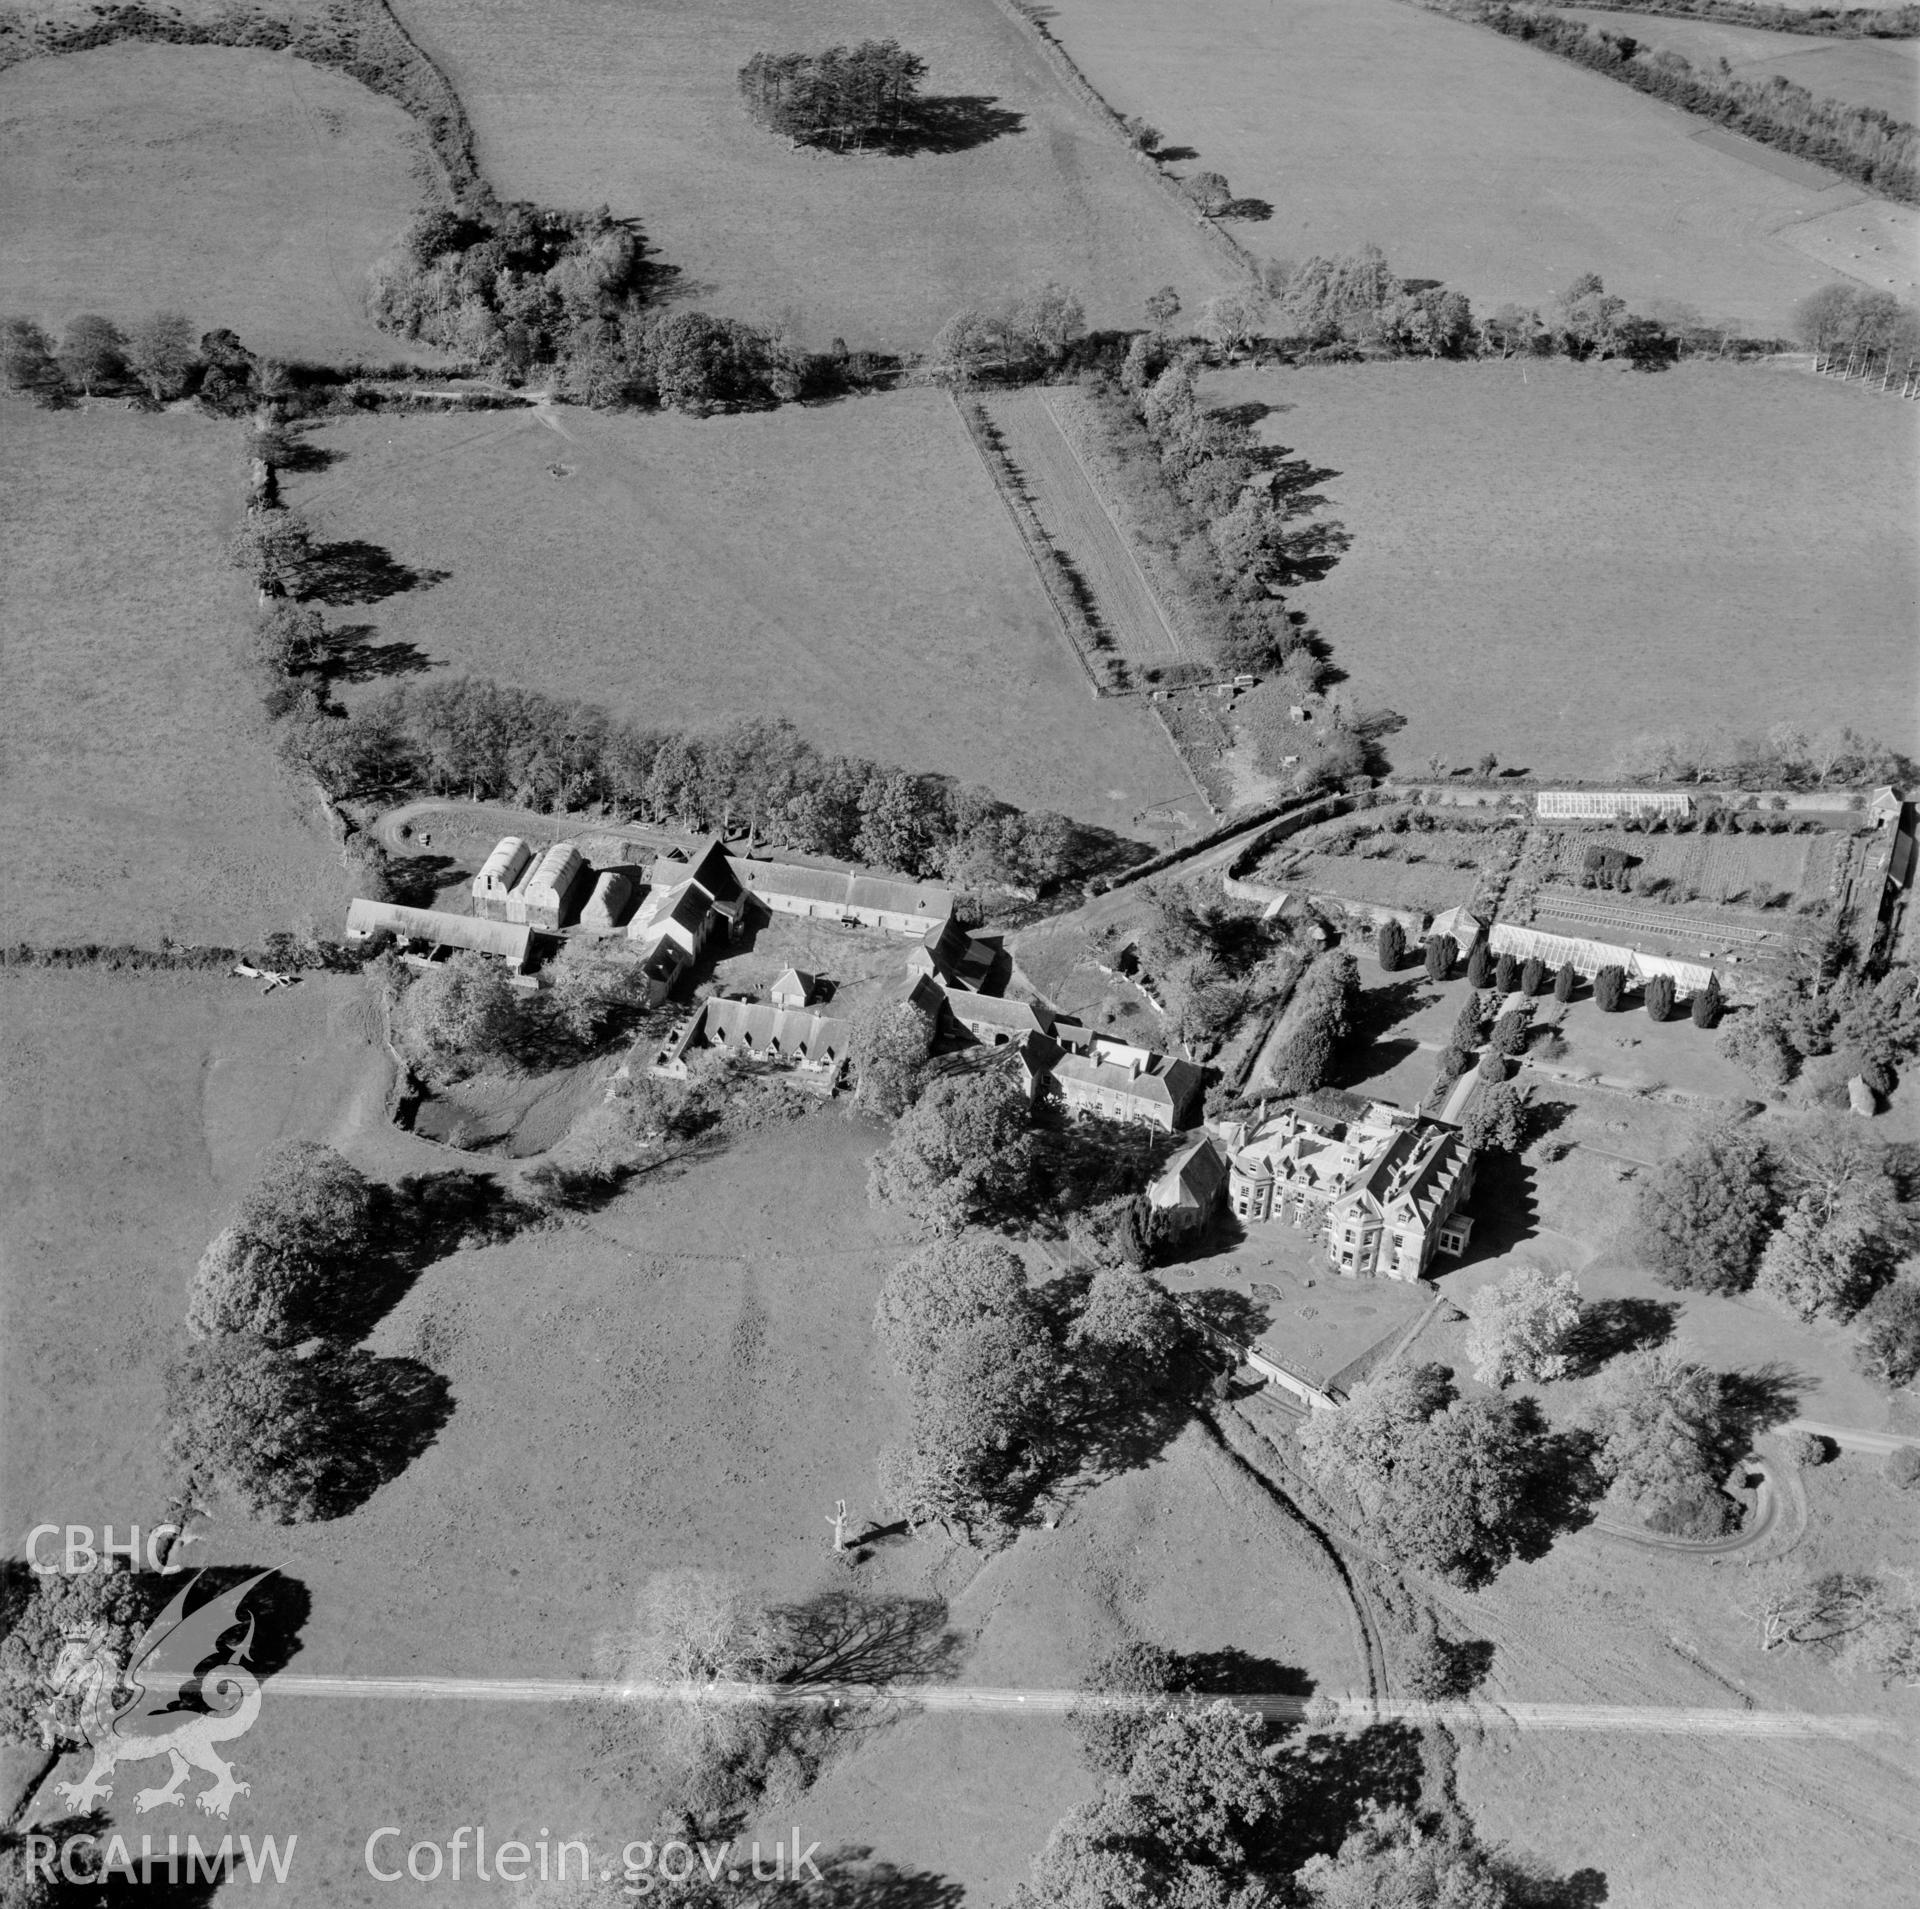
(607, 906)
(550, 894)
(868, 901)
(499, 874)
(1608, 805)
(511, 941)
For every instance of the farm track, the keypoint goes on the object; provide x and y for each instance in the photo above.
(1077, 520)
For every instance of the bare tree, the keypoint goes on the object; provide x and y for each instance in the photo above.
(1778, 1599)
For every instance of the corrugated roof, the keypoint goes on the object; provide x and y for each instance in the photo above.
(505, 938)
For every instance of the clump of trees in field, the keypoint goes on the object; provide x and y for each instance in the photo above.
(1814, 1032)
(1014, 1389)
(845, 98)
(156, 359)
(1786, 757)
(526, 291)
(1861, 142)
(488, 741)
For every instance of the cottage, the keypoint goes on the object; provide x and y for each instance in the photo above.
(1382, 1191)
(1122, 1082)
(436, 934)
(794, 989)
(809, 1043)
(499, 874)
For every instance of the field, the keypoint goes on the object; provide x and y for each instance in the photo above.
(139, 793)
(1884, 74)
(849, 567)
(247, 189)
(633, 103)
(1551, 559)
(686, 1379)
(1466, 157)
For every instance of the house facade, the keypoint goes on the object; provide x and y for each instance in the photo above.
(1382, 1193)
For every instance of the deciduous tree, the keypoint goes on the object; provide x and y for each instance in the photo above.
(1520, 1327)
(1703, 1217)
(93, 351)
(160, 354)
(1662, 1424)
(959, 1153)
(1457, 1488)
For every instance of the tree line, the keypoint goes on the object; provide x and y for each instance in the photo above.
(1860, 142)
(490, 741)
(1851, 23)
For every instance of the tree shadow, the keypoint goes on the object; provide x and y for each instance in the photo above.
(1377, 1058)
(1532, 1884)
(355, 571)
(950, 122)
(1335, 1779)
(1757, 1400)
(1609, 1328)
(1255, 211)
(388, 1412)
(1562, 1487)
(1232, 1672)
(415, 880)
(851, 1879)
(417, 1222)
(351, 656)
(863, 1637)
(1174, 155)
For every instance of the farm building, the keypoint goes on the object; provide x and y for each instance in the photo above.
(951, 955)
(607, 906)
(1383, 1191)
(542, 892)
(436, 933)
(865, 901)
(1589, 957)
(499, 874)
(995, 1022)
(1608, 805)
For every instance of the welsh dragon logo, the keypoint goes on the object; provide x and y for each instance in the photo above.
(179, 1695)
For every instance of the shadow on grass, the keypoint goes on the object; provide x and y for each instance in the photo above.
(351, 656)
(951, 122)
(1609, 1328)
(355, 571)
(863, 1637)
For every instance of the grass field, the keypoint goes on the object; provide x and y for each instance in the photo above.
(850, 567)
(1551, 559)
(1466, 157)
(246, 189)
(633, 102)
(1884, 74)
(140, 794)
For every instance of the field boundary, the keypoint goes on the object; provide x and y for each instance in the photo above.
(1075, 621)
(1064, 68)
(370, 45)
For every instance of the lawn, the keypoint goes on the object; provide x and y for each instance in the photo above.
(634, 103)
(140, 792)
(247, 189)
(1551, 559)
(850, 567)
(1883, 74)
(1466, 157)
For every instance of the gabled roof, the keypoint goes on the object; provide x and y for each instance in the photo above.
(1191, 1178)
(793, 981)
(990, 1010)
(712, 867)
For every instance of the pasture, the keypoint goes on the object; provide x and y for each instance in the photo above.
(247, 189)
(634, 103)
(1884, 74)
(851, 567)
(140, 793)
(1465, 156)
(1551, 559)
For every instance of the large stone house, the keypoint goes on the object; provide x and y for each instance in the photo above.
(1382, 1192)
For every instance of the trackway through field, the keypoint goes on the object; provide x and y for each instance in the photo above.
(1080, 523)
